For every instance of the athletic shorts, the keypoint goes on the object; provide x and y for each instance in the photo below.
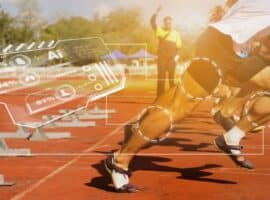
(219, 48)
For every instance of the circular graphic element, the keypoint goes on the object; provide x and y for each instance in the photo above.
(29, 79)
(248, 105)
(19, 61)
(98, 87)
(65, 92)
(92, 77)
(140, 116)
(215, 66)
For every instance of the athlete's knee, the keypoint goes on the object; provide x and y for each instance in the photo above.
(205, 74)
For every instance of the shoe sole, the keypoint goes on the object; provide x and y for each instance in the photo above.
(235, 163)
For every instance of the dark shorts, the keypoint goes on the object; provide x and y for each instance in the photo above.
(219, 48)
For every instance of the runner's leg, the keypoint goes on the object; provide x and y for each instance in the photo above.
(157, 122)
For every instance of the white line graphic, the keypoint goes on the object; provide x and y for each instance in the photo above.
(41, 45)
(5, 50)
(19, 47)
(110, 71)
(102, 74)
(106, 72)
(31, 46)
(51, 43)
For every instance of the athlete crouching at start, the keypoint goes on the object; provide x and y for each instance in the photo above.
(219, 57)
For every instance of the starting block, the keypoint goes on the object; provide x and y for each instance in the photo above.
(68, 121)
(39, 134)
(21, 132)
(97, 110)
(4, 183)
(6, 151)
(85, 115)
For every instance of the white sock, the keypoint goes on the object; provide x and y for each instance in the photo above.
(234, 136)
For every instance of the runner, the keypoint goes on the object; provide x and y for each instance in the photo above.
(255, 114)
(219, 62)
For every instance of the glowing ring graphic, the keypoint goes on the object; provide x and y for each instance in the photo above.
(166, 111)
(248, 105)
(214, 64)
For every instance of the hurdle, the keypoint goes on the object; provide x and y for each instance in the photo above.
(5, 183)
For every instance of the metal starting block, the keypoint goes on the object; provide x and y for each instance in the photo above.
(37, 134)
(5, 183)
(5, 151)
(68, 121)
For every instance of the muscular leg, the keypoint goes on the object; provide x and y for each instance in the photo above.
(157, 122)
(260, 108)
(171, 75)
(161, 79)
(234, 103)
(259, 114)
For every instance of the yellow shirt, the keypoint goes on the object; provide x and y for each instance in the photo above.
(171, 36)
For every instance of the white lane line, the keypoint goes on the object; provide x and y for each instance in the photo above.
(102, 74)
(244, 173)
(63, 167)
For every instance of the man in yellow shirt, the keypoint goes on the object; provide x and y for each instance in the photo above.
(169, 45)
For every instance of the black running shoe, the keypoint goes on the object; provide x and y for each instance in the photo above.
(234, 152)
(118, 173)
